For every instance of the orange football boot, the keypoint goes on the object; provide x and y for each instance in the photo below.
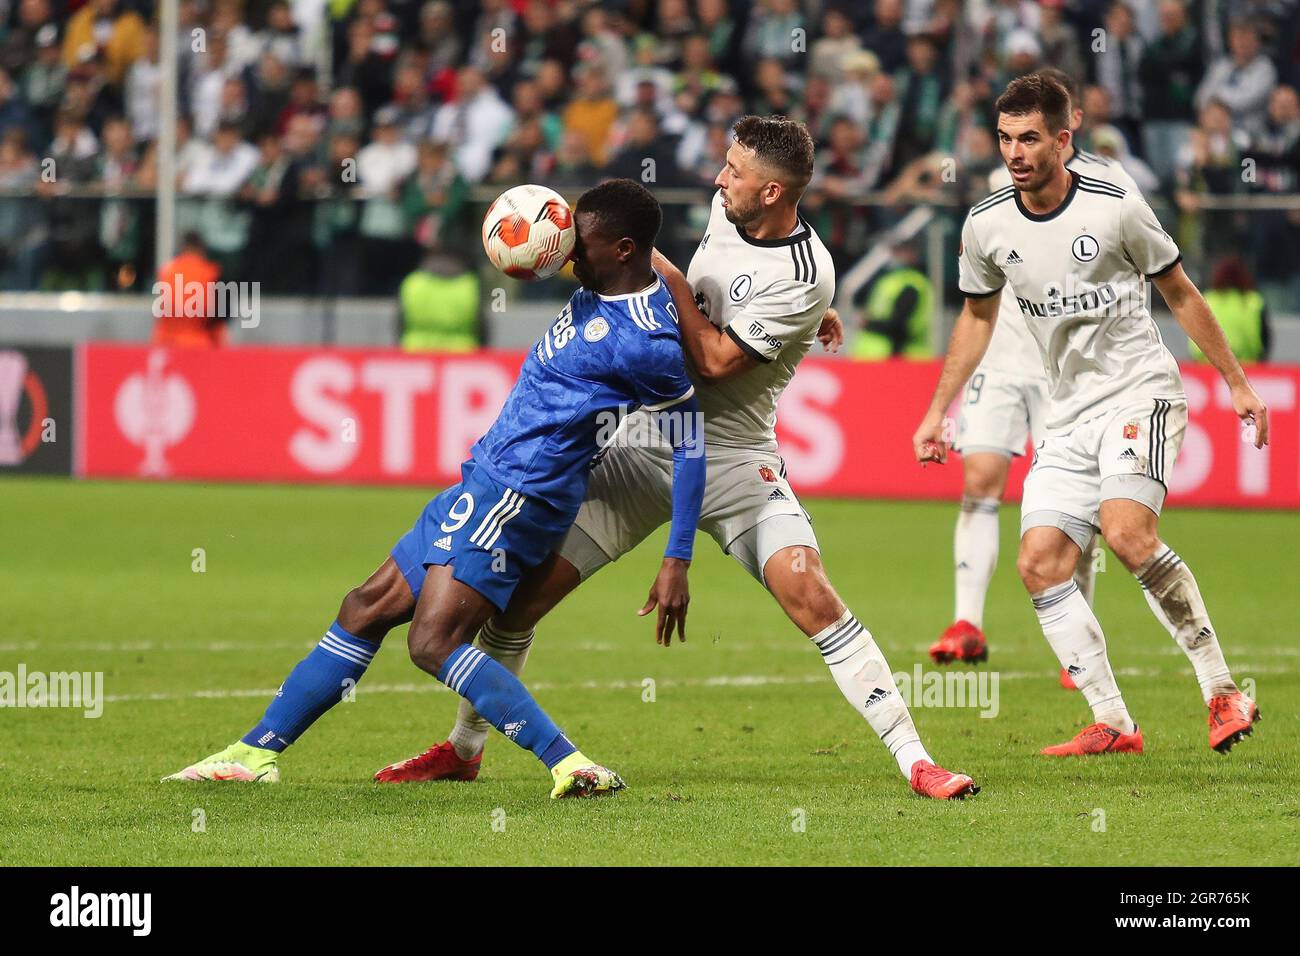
(1098, 739)
(437, 763)
(931, 780)
(1231, 717)
(962, 641)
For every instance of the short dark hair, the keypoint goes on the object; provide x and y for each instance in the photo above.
(781, 144)
(623, 207)
(1037, 93)
(1071, 84)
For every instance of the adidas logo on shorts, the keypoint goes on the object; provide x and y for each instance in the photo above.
(444, 543)
(1128, 454)
(777, 495)
(1014, 259)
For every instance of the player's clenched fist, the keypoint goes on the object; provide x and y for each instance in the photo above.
(928, 442)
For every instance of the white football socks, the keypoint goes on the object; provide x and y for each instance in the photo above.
(508, 649)
(864, 678)
(1170, 587)
(1085, 574)
(1074, 634)
(975, 555)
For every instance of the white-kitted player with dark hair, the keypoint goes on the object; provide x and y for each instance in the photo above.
(749, 309)
(1075, 252)
(1003, 406)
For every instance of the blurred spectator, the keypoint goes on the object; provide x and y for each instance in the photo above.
(73, 224)
(207, 82)
(920, 99)
(119, 219)
(387, 253)
(33, 28)
(1275, 233)
(1118, 70)
(14, 111)
(412, 101)
(363, 68)
(437, 34)
(771, 32)
(885, 38)
(1059, 39)
(102, 27)
(592, 112)
(477, 121)
(1240, 310)
(776, 89)
(280, 225)
(45, 80)
(217, 176)
(22, 229)
(1108, 141)
(852, 95)
(1210, 164)
(346, 114)
(601, 45)
(714, 20)
(837, 41)
(647, 156)
(304, 100)
(268, 95)
(336, 216)
(1170, 71)
(185, 287)
(440, 305)
(434, 198)
(1241, 81)
(573, 165)
(143, 82)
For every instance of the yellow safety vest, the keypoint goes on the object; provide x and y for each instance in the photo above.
(871, 346)
(1241, 313)
(439, 313)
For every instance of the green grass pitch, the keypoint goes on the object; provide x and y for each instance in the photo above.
(747, 754)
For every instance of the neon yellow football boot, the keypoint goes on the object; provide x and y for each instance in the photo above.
(578, 776)
(240, 763)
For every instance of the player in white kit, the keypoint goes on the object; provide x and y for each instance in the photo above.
(1004, 403)
(749, 309)
(1074, 252)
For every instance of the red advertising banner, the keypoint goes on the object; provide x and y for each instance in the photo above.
(363, 416)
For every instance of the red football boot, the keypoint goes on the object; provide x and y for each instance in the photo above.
(437, 763)
(963, 641)
(1067, 681)
(1231, 717)
(931, 780)
(1098, 739)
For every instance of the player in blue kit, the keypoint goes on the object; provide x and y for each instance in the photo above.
(614, 348)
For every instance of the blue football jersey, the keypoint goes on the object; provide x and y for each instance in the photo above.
(603, 356)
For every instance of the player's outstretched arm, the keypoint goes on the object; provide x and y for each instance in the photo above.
(1193, 313)
(683, 425)
(711, 351)
(970, 339)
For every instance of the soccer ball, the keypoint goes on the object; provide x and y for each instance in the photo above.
(528, 232)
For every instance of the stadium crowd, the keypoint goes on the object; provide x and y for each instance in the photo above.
(324, 146)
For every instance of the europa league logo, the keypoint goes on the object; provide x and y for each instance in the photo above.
(154, 409)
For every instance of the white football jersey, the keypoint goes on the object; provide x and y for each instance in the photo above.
(769, 295)
(1012, 349)
(1078, 277)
